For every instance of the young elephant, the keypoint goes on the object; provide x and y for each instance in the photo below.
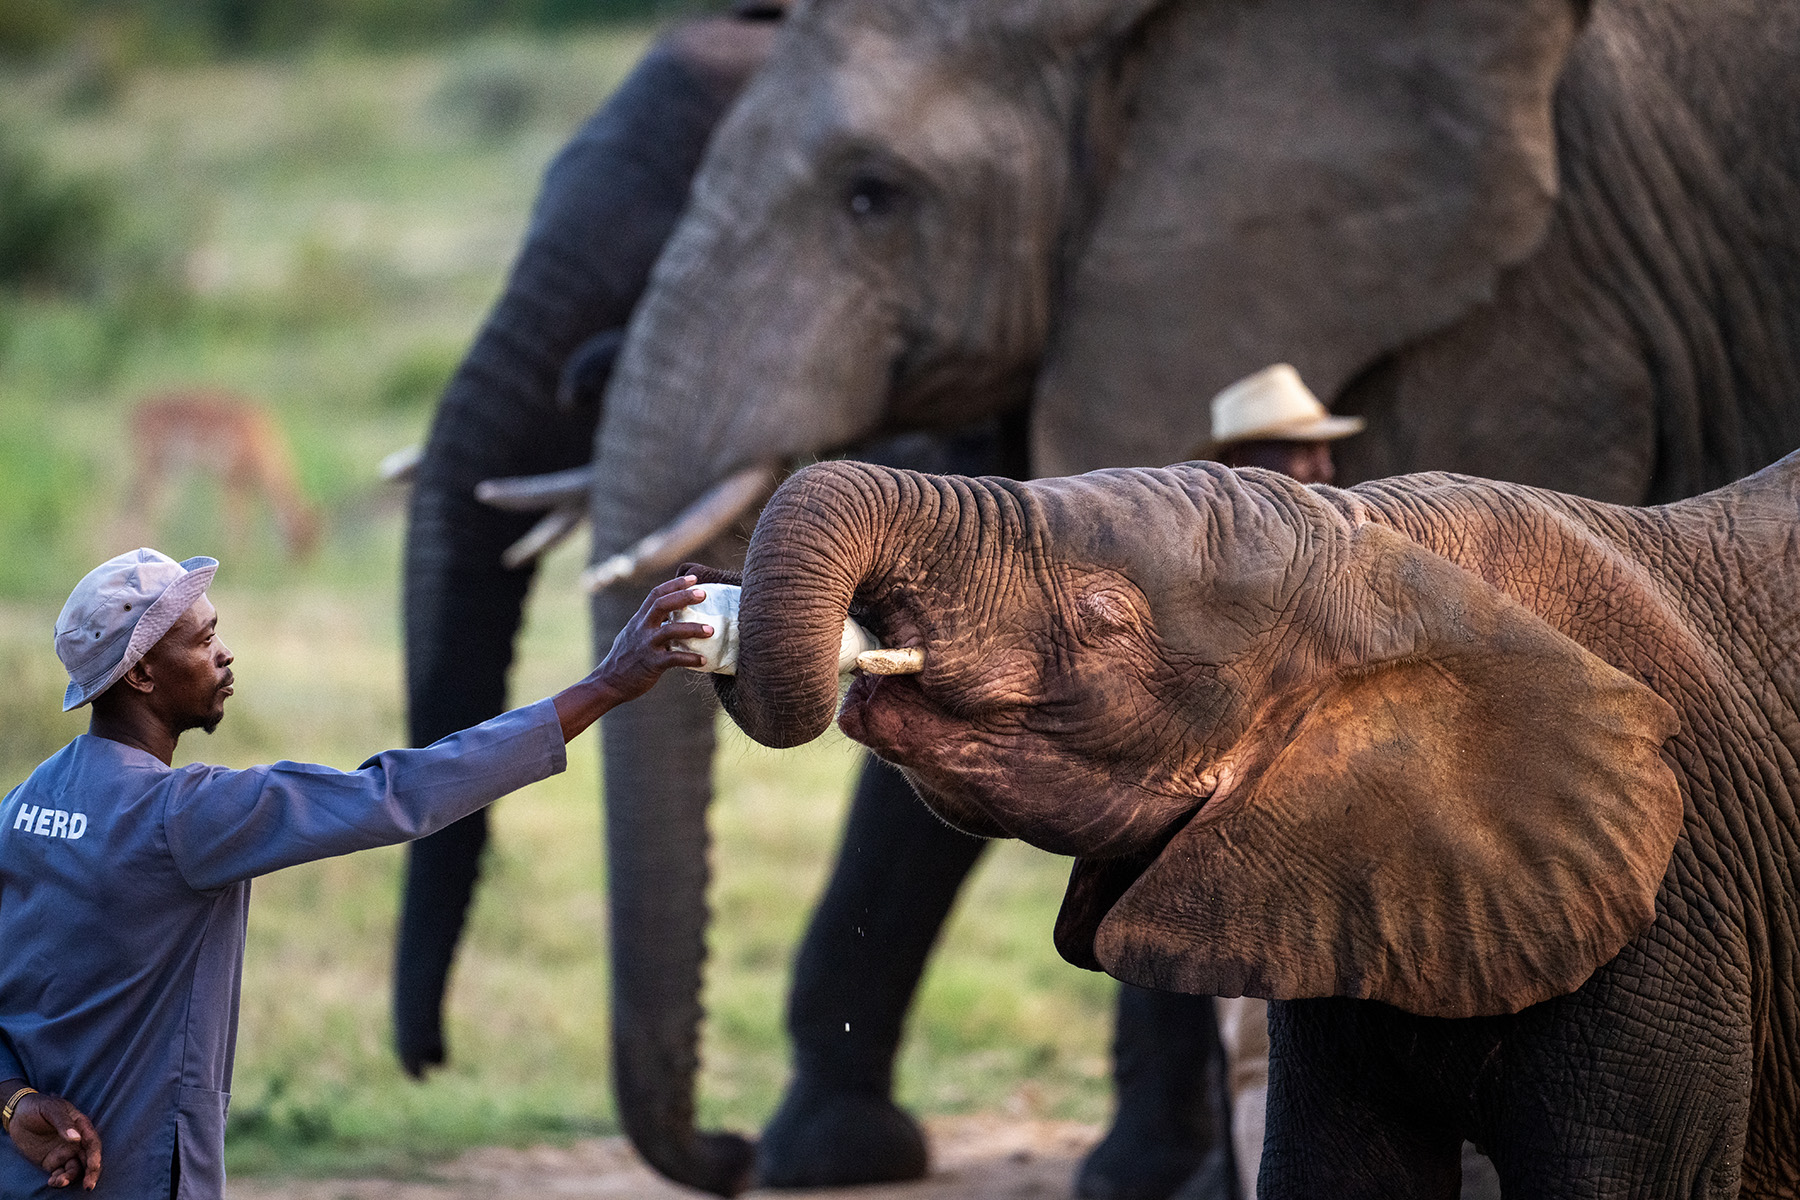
(1493, 788)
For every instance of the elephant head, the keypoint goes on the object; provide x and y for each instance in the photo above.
(1296, 752)
(927, 212)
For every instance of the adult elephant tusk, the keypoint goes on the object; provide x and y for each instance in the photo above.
(704, 520)
(910, 661)
(401, 465)
(535, 493)
(556, 525)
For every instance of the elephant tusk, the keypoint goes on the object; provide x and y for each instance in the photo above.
(401, 465)
(858, 649)
(910, 661)
(704, 520)
(556, 525)
(535, 493)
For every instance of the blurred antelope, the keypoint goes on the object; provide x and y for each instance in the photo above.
(226, 436)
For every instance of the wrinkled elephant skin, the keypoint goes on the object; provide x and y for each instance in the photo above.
(1491, 788)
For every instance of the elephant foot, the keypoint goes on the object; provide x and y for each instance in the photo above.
(823, 1136)
(1136, 1164)
(419, 1053)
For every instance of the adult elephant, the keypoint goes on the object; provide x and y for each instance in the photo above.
(1491, 788)
(524, 401)
(1544, 240)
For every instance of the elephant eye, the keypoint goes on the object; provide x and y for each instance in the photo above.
(870, 196)
(1107, 611)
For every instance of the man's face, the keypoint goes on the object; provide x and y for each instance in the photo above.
(191, 670)
(1309, 462)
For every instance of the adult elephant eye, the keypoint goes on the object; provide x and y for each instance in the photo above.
(871, 197)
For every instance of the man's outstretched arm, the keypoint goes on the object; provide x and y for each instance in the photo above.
(224, 825)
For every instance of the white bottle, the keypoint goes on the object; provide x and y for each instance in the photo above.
(858, 649)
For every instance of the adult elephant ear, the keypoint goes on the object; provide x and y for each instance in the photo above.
(1306, 181)
(1469, 817)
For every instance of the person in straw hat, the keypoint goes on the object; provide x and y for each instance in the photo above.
(1272, 420)
(125, 881)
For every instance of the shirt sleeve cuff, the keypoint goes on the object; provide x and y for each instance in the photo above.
(546, 726)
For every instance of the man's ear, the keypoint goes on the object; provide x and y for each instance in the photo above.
(139, 678)
(1470, 824)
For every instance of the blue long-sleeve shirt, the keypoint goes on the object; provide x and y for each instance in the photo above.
(124, 888)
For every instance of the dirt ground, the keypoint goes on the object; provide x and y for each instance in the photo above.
(974, 1158)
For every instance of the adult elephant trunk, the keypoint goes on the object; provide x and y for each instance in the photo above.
(658, 758)
(657, 755)
(660, 447)
(463, 608)
(606, 207)
(677, 421)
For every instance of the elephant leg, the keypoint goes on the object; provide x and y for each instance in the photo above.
(441, 871)
(897, 875)
(1637, 1087)
(1171, 1130)
(1345, 1119)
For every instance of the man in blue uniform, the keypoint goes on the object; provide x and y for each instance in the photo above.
(125, 883)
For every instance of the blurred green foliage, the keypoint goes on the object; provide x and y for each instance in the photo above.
(419, 375)
(31, 27)
(318, 235)
(195, 29)
(51, 225)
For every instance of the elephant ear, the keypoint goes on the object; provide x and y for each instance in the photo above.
(1471, 820)
(1293, 181)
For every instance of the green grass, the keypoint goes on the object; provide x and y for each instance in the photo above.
(323, 236)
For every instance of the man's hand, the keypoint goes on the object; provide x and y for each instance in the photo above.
(54, 1134)
(641, 653)
(639, 656)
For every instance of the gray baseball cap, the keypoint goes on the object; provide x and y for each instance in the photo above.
(118, 611)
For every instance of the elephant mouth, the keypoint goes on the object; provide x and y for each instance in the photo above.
(962, 777)
(864, 717)
(885, 714)
(895, 719)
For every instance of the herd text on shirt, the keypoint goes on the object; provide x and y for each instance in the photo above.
(50, 822)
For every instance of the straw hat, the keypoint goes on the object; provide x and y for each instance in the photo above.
(1274, 405)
